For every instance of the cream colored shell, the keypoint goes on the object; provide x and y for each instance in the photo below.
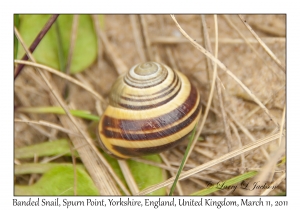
(151, 109)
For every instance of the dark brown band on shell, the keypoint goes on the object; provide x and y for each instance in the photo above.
(158, 122)
(135, 152)
(154, 135)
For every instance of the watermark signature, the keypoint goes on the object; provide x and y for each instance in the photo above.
(257, 185)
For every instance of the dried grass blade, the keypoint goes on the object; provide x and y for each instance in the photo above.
(246, 132)
(138, 39)
(270, 53)
(210, 97)
(112, 54)
(209, 164)
(250, 45)
(146, 37)
(50, 125)
(98, 25)
(128, 177)
(169, 40)
(62, 75)
(275, 183)
(228, 71)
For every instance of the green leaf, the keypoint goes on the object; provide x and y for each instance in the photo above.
(60, 181)
(146, 175)
(85, 50)
(61, 58)
(51, 148)
(59, 110)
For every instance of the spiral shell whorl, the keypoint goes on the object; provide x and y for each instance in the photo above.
(145, 86)
(146, 75)
(152, 108)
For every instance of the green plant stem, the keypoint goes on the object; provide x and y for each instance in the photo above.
(58, 110)
(183, 161)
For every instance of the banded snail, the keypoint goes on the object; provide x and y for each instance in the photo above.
(151, 109)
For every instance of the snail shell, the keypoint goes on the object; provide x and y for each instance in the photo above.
(151, 109)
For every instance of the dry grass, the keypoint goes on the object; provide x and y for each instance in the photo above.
(243, 124)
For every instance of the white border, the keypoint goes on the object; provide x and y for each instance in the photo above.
(154, 6)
